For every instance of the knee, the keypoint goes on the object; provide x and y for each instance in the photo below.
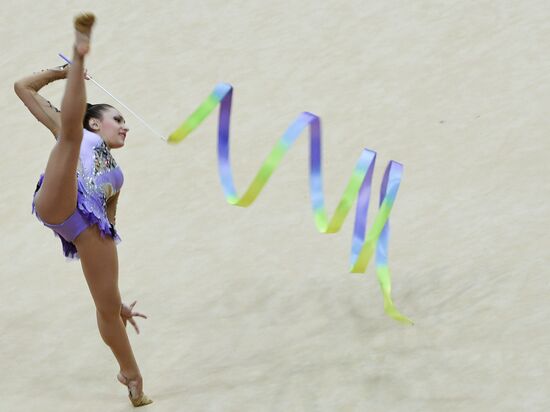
(109, 310)
(50, 214)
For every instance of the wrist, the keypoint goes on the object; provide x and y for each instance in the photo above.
(59, 72)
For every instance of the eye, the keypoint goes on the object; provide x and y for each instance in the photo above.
(118, 119)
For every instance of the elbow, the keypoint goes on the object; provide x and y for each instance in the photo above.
(22, 90)
(18, 87)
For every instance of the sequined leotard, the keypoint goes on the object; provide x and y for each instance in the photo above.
(99, 178)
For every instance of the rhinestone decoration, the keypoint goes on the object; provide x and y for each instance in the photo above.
(103, 160)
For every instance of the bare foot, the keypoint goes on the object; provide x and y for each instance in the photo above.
(83, 25)
(135, 390)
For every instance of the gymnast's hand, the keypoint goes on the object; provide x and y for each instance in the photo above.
(63, 71)
(127, 313)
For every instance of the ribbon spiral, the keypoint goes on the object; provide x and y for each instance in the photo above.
(359, 186)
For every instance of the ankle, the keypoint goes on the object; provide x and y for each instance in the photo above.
(77, 55)
(131, 375)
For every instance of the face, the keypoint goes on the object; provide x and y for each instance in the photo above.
(112, 128)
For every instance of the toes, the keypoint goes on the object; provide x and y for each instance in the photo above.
(142, 401)
(83, 22)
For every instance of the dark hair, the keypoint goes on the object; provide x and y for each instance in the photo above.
(94, 111)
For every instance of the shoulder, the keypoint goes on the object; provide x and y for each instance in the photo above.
(90, 141)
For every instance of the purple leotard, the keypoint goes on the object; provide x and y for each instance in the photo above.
(98, 178)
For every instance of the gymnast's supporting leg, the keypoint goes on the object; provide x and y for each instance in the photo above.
(98, 256)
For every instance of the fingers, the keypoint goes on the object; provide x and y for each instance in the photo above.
(141, 315)
(134, 324)
(128, 315)
(131, 314)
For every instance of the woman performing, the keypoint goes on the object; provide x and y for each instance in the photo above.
(77, 194)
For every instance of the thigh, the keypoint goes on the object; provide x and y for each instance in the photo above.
(99, 260)
(56, 199)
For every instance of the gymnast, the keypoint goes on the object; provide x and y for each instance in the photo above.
(77, 194)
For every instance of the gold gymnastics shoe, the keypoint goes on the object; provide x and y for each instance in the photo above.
(137, 399)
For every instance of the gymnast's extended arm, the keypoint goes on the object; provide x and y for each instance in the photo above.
(27, 90)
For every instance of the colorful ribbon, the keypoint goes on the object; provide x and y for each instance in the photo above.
(359, 186)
